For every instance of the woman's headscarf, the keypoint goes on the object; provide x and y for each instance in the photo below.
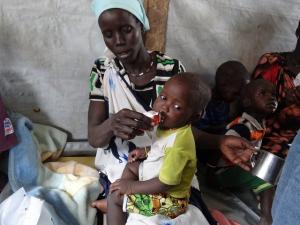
(135, 7)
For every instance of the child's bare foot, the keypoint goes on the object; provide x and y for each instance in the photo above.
(100, 205)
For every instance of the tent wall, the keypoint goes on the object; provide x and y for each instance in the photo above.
(48, 48)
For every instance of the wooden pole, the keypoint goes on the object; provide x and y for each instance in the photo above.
(157, 11)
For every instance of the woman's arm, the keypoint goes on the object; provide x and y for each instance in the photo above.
(237, 150)
(99, 128)
(125, 124)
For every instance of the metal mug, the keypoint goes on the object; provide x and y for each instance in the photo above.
(266, 166)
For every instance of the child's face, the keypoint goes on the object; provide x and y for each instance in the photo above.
(264, 98)
(174, 102)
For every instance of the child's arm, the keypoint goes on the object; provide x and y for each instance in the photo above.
(151, 186)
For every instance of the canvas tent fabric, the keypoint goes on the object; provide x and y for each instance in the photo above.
(48, 48)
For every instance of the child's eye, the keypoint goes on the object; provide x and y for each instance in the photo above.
(177, 107)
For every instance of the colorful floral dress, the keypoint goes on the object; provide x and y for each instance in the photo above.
(282, 125)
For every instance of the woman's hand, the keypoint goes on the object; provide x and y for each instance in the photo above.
(237, 150)
(137, 154)
(127, 124)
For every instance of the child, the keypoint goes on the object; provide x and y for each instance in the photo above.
(230, 78)
(258, 100)
(164, 178)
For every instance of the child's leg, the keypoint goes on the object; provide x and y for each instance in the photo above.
(266, 200)
(115, 214)
(131, 171)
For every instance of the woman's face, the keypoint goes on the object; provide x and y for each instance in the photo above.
(122, 34)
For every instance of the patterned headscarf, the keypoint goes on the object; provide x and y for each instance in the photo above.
(135, 7)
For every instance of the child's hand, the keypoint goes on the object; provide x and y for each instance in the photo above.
(136, 154)
(124, 186)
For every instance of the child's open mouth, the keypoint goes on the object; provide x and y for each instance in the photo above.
(162, 117)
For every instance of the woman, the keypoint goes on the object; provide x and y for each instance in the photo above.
(283, 70)
(125, 83)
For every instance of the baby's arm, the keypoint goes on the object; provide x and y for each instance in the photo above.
(152, 186)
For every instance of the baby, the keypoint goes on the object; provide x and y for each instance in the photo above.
(161, 183)
(258, 100)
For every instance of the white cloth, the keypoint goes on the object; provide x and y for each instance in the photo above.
(193, 216)
(119, 97)
(22, 209)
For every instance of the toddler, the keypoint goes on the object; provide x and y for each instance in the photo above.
(258, 101)
(161, 183)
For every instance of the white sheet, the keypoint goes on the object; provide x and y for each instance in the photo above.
(192, 217)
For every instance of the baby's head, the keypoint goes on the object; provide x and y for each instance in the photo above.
(230, 78)
(182, 100)
(259, 98)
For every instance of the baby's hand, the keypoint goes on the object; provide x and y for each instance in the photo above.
(122, 186)
(136, 154)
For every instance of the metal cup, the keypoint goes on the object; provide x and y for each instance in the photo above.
(266, 166)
